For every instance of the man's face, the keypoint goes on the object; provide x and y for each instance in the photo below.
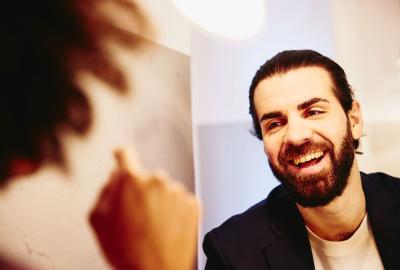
(307, 136)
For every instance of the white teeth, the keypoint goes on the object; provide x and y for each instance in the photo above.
(308, 157)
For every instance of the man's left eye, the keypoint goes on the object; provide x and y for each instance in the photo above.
(313, 112)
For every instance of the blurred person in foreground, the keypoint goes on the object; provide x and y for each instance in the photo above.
(142, 220)
(326, 214)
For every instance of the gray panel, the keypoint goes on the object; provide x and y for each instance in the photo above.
(234, 172)
(161, 119)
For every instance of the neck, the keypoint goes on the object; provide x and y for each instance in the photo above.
(338, 220)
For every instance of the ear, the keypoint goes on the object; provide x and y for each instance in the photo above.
(356, 121)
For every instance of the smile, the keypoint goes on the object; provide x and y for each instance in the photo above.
(301, 160)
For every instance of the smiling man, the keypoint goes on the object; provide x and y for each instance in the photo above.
(326, 214)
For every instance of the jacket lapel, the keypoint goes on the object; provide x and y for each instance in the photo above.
(291, 248)
(382, 210)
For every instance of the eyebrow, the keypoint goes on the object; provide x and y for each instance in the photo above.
(310, 102)
(302, 106)
(270, 115)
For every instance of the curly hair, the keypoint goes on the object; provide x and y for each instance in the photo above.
(43, 44)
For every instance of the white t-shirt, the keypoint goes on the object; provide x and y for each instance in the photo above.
(358, 252)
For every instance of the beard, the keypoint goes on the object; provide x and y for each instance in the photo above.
(321, 188)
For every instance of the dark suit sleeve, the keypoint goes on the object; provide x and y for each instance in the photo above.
(215, 258)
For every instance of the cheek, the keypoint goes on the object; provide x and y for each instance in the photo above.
(272, 151)
(333, 131)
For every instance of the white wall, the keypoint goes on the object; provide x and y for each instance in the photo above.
(222, 69)
(367, 42)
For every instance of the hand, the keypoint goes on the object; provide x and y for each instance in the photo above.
(145, 222)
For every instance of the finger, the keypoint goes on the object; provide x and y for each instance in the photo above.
(155, 184)
(161, 174)
(120, 157)
(177, 187)
(161, 180)
(128, 161)
(109, 194)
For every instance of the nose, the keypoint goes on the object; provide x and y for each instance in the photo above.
(297, 132)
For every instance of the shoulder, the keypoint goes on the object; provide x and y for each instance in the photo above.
(381, 181)
(381, 188)
(256, 217)
(249, 228)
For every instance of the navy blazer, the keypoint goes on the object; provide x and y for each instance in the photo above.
(271, 234)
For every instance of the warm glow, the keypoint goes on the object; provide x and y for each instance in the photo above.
(234, 19)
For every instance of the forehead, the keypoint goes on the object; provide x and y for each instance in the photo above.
(284, 91)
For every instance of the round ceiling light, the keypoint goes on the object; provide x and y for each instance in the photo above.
(232, 19)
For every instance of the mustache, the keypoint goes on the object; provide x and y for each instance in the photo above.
(292, 151)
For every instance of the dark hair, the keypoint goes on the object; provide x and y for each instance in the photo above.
(43, 44)
(293, 59)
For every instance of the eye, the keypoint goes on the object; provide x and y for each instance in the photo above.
(274, 125)
(313, 112)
